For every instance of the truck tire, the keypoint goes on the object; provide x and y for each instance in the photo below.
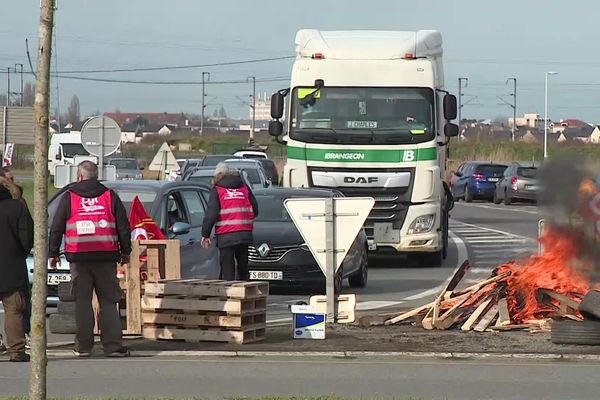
(64, 324)
(431, 260)
(65, 292)
(66, 308)
(468, 194)
(575, 332)
(359, 279)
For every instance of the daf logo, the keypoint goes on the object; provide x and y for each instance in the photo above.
(263, 250)
(360, 179)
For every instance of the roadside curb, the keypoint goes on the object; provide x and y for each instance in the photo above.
(350, 355)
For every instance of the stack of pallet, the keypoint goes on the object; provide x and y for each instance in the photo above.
(196, 310)
(484, 306)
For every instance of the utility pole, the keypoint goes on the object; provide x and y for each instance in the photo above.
(8, 86)
(207, 75)
(39, 358)
(514, 106)
(253, 105)
(21, 92)
(460, 104)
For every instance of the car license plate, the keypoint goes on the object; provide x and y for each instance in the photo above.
(55, 279)
(493, 179)
(531, 187)
(266, 275)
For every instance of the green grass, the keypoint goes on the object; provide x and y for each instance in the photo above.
(28, 192)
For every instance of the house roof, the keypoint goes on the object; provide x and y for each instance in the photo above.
(572, 133)
(574, 123)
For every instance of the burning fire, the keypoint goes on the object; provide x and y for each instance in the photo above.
(564, 267)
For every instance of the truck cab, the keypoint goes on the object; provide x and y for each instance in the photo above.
(64, 149)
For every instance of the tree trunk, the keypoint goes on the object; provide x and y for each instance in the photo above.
(37, 389)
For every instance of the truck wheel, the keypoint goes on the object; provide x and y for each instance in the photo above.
(468, 194)
(575, 332)
(59, 323)
(432, 260)
(359, 279)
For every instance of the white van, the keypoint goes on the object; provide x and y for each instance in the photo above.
(64, 148)
(253, 154)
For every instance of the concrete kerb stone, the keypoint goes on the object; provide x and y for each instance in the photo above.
(350, 354)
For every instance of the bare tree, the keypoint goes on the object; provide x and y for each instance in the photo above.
(39, 358)
(73, 112)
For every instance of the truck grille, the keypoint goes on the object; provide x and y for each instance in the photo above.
(275, 254)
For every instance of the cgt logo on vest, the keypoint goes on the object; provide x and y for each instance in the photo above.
(233, 194)
(90, 205)
(361, 179)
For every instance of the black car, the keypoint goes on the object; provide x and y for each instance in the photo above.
(212, 160)
(270, 169)
(280, 255)
(177, 207)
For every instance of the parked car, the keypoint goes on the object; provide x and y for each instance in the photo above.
(127, 168)
(212, 160)
(252, 171)
(190, 164)
(270, 169)
(280, 255)
(177, 207)
(254, 154)
(477, 180)
(518, 183)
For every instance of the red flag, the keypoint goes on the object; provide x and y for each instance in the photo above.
(142, 226)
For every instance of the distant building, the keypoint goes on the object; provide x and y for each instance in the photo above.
(263, 108)
(533, 121)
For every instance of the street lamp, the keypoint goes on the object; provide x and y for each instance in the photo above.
(546, 115)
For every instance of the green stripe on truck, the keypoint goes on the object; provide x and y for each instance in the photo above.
(365, 156)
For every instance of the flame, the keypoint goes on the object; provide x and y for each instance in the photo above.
(563, 268)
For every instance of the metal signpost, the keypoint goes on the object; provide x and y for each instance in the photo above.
(334, 222)
(101, 137)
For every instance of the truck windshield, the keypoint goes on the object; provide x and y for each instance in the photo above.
(370, 115)
(71, 150)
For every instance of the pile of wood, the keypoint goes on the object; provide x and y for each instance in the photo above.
(196, 310)
(481, 307)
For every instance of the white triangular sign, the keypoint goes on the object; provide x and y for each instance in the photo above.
(164, 160)
(308, 215)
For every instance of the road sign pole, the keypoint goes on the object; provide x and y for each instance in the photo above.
(330, 264)
(101, 155)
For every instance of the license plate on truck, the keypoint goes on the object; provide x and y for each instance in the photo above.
(55, 279)
(266, 275)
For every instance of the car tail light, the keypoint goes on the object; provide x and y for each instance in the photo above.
(514, 182)
(478, 177)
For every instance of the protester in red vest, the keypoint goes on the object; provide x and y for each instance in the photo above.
(231, 210)
(97, 235)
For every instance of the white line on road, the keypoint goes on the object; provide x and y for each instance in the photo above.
(504, 208)
(496, 231)
(373, 305)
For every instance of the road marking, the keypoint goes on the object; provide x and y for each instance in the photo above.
(373, 305)
(496, 231)
(504, 208)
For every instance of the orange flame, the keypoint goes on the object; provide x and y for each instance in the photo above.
(562, 268)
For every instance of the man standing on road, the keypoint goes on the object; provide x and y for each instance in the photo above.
(95, 226)
(231, 210)
(16, 236)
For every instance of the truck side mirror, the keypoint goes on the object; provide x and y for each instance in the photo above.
(277, 103)
(450, 109)
(451, 130)
(275, 128)
(57, 157)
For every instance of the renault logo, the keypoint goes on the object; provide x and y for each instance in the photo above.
(264, 250)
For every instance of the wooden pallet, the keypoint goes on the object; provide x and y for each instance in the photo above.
(249, 335)
(231, 306)
(205, 288)
(201, 319)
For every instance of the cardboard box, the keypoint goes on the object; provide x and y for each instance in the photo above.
(307, 324)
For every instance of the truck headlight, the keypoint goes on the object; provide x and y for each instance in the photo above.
(422, 224)
(139, 176)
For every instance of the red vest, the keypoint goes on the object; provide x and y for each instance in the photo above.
(92, 226)
(236, 213)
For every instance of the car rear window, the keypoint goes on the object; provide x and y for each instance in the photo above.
(271, 209)
(527, 172)
(205, 180)
(490, 169)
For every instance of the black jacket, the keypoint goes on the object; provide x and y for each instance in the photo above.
(214, 207)
(90, 189)
(16, 238)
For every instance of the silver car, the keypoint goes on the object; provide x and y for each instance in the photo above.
(518, 183)
(127, 168)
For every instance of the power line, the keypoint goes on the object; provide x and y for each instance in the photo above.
(176, 67)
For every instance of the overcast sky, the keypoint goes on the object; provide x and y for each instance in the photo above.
(485, 41)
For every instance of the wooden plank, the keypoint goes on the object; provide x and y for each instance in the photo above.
(153, 264)
(201, 288)
(487, 319)
(408, 314)
(234, 306)
(512, 327)
(197, 320)
(452, 283)
(134, 292)
(503, 314)
(153, 242)
(197, 335)
(173, 260)
(452, 314)
(562, 299)
(482, 284)
(481, 309)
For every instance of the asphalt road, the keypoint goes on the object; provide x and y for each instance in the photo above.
(172, 377)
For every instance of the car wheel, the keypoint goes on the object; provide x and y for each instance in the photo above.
(468, 194)
(359, 279)
(497, 200)
(507, 199)
(575, 332)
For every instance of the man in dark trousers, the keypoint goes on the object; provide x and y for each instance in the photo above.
(16, 238)
(95, 226)
(231, 210)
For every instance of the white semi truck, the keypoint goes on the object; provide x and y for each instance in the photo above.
(368, 115)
